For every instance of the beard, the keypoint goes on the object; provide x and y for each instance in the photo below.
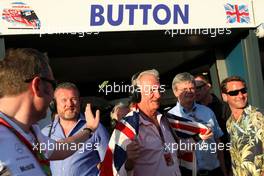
(69, 115)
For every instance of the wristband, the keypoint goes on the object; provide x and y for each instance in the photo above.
(88, 129)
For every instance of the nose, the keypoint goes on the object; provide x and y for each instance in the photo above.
(240, 94)
(157, 94)
(69, 103)
(190, 90)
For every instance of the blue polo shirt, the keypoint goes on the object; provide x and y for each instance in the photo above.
(84, 161)
(206, 157)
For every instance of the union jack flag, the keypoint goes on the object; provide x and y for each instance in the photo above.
(237, 13)
(126, 130)
(185, 128)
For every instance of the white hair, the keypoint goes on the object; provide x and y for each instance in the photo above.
(136, 80)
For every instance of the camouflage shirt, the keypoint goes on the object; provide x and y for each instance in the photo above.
(247, 142)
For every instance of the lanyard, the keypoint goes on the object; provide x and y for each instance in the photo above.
(145, 117)
(44, 163)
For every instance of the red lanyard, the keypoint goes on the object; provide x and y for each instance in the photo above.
(38, 155)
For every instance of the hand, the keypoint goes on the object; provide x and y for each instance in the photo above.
(133, 152)
(91, 121)
(207, 135)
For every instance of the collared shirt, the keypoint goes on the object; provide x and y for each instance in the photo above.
(151, 161)
(14, 155)
(247, 142)
(206, 157)
(84, 161)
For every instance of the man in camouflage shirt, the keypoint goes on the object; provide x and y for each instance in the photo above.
(246, 129)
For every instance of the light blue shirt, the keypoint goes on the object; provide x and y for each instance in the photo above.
(207, 157)
(84, 161)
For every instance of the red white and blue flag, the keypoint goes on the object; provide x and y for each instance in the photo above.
(237, 13)
(127, 129)
(185, 128)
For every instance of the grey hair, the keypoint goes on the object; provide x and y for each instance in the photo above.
(182, 77)
(67, 85)
(154, 72)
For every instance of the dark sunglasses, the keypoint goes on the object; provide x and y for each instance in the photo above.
(236, 92)
(51, 81)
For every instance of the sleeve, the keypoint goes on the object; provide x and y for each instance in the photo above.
(46, 144)
(216, 128)
(258, 123)
(45, 130)
(102, 139)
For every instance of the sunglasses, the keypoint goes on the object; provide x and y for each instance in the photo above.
(236, 92)
(51, 81)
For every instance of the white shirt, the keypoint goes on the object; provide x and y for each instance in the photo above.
(151, 161)
(15, 155)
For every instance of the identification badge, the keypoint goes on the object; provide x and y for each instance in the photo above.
(168, 158)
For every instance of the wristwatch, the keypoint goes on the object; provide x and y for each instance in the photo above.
(88, 129)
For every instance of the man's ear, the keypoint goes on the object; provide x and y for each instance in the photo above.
(35, 86)
(175, 92)
(224, 96)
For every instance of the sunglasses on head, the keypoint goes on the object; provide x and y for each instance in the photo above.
(51, 81)
(236, 92)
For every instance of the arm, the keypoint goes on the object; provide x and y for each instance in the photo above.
(92, 123)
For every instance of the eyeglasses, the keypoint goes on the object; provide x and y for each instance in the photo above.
(236, 92)
(200, 87)
(51, 81)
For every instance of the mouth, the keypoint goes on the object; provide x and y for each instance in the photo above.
(70, 110)
(156, 101)
(189, 95)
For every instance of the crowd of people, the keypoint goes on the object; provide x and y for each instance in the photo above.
(225, 137)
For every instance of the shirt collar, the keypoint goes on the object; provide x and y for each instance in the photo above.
(183, 110)
(245, 113)
(81, 120)
(144, 120)
(12, 123)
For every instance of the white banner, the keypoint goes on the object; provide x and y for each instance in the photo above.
(49, 16)
(258, 6)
